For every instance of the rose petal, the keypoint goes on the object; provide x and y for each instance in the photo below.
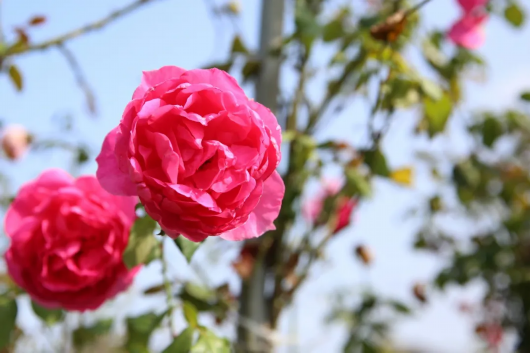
(470, 5)
(109, 174)
(217, 78)
(263, 216)
(154, 77)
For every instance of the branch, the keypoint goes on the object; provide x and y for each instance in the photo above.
(79, 77)
(80, 31)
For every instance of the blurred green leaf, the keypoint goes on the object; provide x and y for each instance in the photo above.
(86, 335)
(356, 184)
(491, 131)
(437, 113)
(514, 14)
(82, 155)
(307, 26)
(16, 77)
(238, 46)
(139, 329)
(187, 247)
(431, 89)
(250, 69)
(208, 342)
(49, 316)
(525, 96)
(143, 246)
(8, 316)
(333, 30)
(376, 160)
(190, 313)
(182, 343)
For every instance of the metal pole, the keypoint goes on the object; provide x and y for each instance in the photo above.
(254, 304)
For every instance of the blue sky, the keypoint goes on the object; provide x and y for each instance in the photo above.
(181, 33)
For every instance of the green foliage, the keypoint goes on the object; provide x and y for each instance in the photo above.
(139, 329)
(437, 113)
(190, 314)
(143, 246)
(86, 335)
(16, 77)
(182, 343)
(187, 247)
(376, 160)
(49, 316)
(208, 342)
(514, 14)
(8, 315)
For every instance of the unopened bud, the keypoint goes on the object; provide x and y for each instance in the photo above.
(15, 141)
(234, 7)
(419, 292)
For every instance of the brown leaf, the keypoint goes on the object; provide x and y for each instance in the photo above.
(244, 265)
(419, 292)
(37, 20)
(364, 254)
(391, 28)
(23, 37)
(154, 289)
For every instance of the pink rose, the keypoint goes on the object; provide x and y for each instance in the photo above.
(468, 31)
(312, 208)
(67, 240)
(15, 141)
(201, 156)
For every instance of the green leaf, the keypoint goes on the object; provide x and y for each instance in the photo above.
(525, 96)
(16, 77)
(208, 342)
(491, 131)
(187, 247)
(190, 313)
(376, 160)
(182, 343)
(8, 315)
(307, 26)
(437, 113)
(83, 335)
(238, 46)
(49, 316)
(139, 329)
(143, 246)
(514, 14)
(400, 307)
(356, 184)
(250, 70)
(333, 30)
(431, 89)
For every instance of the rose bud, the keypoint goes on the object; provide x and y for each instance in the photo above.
(15, 141)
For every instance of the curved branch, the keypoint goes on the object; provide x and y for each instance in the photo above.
(16, 50)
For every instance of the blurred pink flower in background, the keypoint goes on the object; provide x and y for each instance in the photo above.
(312, 208)
(15, 141)
(468, 31)
(67, 241)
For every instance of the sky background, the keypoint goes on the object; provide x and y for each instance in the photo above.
(180, 32)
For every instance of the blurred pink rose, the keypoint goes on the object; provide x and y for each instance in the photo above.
(470, 5)
(492, 333)
(15, 141)
(201, 156)
(67, 240)
(312, 208)
(468, 31)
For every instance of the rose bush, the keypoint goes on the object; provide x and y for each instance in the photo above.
(67, 240)
(201, 156)
(312, 208)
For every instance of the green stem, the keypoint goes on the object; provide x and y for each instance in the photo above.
(167, 287)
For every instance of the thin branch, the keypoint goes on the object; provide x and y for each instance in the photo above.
(167, 288)
(80, 31)
(79, 77)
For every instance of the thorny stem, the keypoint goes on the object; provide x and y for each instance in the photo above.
(167, 288)
(80, 31)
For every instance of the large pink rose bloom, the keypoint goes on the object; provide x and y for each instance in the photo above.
(201, 156)
(67, 240)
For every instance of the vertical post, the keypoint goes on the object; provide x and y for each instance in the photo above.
(254, 304)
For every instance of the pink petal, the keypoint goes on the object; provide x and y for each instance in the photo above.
(470, 5)
(467, 33)
(269, 119)
(154, 77)
(217, 78)
(263, 216)
(53, 179)
(109, 174)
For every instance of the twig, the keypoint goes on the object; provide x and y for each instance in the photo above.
(79, 77)
(167, 287)
(80, 31)
(417, 7)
